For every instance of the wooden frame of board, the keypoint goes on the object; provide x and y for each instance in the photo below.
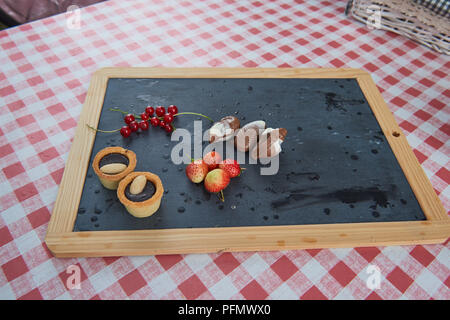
(63, 242)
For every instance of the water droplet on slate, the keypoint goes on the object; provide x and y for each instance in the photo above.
(327, 211)
(181, 209)
(233, 207)
(164, 169)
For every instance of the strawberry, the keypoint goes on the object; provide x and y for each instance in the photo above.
(231, 166)
(197, 170)
(216, 180)
(212, 159)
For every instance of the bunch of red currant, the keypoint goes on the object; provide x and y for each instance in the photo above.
(157, 118)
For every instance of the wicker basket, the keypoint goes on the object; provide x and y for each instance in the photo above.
(406, 18)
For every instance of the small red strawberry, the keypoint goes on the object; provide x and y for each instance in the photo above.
(212, 159)
(231, 166)
(216, 180)
(197, 170)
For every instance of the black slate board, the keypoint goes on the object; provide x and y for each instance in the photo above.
(336, 165)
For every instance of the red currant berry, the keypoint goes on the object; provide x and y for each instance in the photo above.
(162, 124)
(144, 116)
(134, 126)
(150, 111)
(160, 111)
(172, 109)
(168, 118)
(125, 131)
(143, 125)
(154, 122)
(129, 118)
(168, 128)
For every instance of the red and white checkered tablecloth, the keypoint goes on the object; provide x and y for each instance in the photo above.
(45, 69)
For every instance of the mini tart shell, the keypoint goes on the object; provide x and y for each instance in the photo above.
(145, 208)
(111, 181)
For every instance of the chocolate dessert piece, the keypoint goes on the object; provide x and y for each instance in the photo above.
(224, 129)
(147, 193)
(269, 144)
(247, 136)
(113, 158)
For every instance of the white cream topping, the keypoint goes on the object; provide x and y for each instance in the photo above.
(277, 146)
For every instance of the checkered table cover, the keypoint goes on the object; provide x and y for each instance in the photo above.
(45, 68)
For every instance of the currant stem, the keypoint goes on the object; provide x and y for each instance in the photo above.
(104, 131)
(124, 112)
(194, 113)
(221, 197)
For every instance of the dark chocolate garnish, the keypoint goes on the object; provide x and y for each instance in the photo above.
(147, 193)
(113, 158)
